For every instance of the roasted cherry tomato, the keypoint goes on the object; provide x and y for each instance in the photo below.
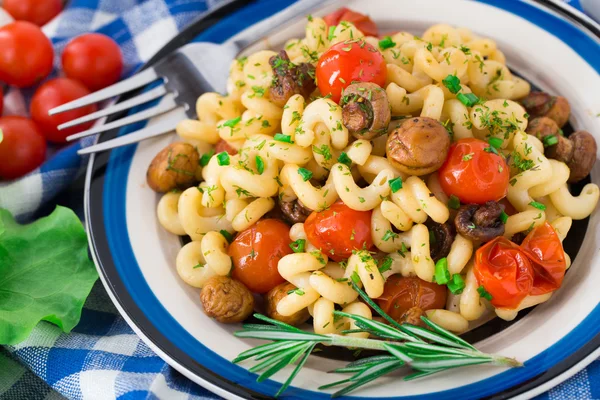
(362, 22)
(222, 146)
(348, 62)
(27, 55)
(52, 94)
(544, 248)
(473, 174)
(94, 60)
(38, 12)
(256, 253)
(504, 271)
(339, 230)
(400, 294)
(22, 147)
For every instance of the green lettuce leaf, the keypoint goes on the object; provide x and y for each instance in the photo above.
(45, 273)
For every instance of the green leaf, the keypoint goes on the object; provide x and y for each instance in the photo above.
(369, 375)
(45, 273)
(296, 370)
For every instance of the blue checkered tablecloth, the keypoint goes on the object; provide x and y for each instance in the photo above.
(102, 358)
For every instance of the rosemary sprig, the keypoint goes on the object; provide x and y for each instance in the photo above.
(426, 351)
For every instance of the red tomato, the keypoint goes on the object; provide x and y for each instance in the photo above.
(400, 294)
(52, 94)
(26, 56)
(473, 174)
(22, 147)
(544, 248)
(339, 230)
(256, 252)
(504, 271)
(38, 12)
(94, 60)
(222, 146)
(362, 22)
(345, 63)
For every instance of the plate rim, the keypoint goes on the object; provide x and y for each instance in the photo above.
(202, 23)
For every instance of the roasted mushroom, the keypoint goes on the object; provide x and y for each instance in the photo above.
(578, 150)
(441, 237)
(290, 79)
(541, 104)
(418, 146)
(174, 167)
(480, 222)
(294, 211)
(273, 297)
(365, 110)
(226, 300)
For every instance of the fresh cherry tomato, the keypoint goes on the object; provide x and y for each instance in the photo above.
(94, 60)
(38, 12)
(52, 94)
(544, 249)
(473, 174)
(504, 271)
(222, 146)
(348, 62)
(339, 230)
(26, 56)
(256, 253)
(400, 294)
(22, 147)
(362, 22)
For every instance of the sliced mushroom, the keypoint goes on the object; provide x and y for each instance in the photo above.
(584, 155)
(543, 127)
(539, 104)
(294, 211)
(418, 146)
(366, 111)
(441, 237)
(226, 300)
(290, 79)
(480, 222)
(273, 297)
(174, 167)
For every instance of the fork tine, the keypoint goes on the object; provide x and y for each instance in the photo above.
(135, 101)
(160, 128)
(136, 81)
(167, 104)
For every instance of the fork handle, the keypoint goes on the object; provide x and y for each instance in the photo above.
(258, 31)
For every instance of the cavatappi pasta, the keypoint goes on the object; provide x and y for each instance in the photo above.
(373, 159)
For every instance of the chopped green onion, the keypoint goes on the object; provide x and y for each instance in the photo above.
(452, 83)
(223, 158)
(454, 202)
(386, 43)
(504, 217)
(297, 291)
(395, 184)
(456, 284)
(495, 142)
(537, 205)
(389, 235)
(203, 161)
(298, 246)
(260, 165)
(386, 264)
(468, 99)
(344, 159)
(550, 141)
(280, 137)
(330, 33)
(442, 275)
(232, 122)
(491, 149)
(484, 293)
(227, 235)
(429, 46)
(305, 174)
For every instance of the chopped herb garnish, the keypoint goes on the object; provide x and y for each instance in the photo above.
(468, 157)
(223, 158)
(495, 142)
(389, 235)
(386, 43)
(395, 184)
(456, 284)
(453, 202)
(550, 140)
(386, 264)
(344, 159)
(203, 161)
(468, 99)
(441, 275)
(330, 35)
(537, 205)
(298, 245)
(503, 217)
(227, 235)
(305, 174)
(323, 150)
(429, 46)
(298, 292)
(484, 293)
(260, 165)
(280, 137)
(452, 83)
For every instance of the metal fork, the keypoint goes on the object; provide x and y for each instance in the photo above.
(193, 69)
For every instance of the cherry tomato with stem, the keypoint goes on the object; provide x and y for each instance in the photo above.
(52, 94)
(400, 294)
(339, 230)
(37, 12)
(347, 62)
(27, 55)
(474, 172)
(93, 59)
(22, 147)
(362, 22)
(256, 252)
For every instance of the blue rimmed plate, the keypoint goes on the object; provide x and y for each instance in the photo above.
(135, 257)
